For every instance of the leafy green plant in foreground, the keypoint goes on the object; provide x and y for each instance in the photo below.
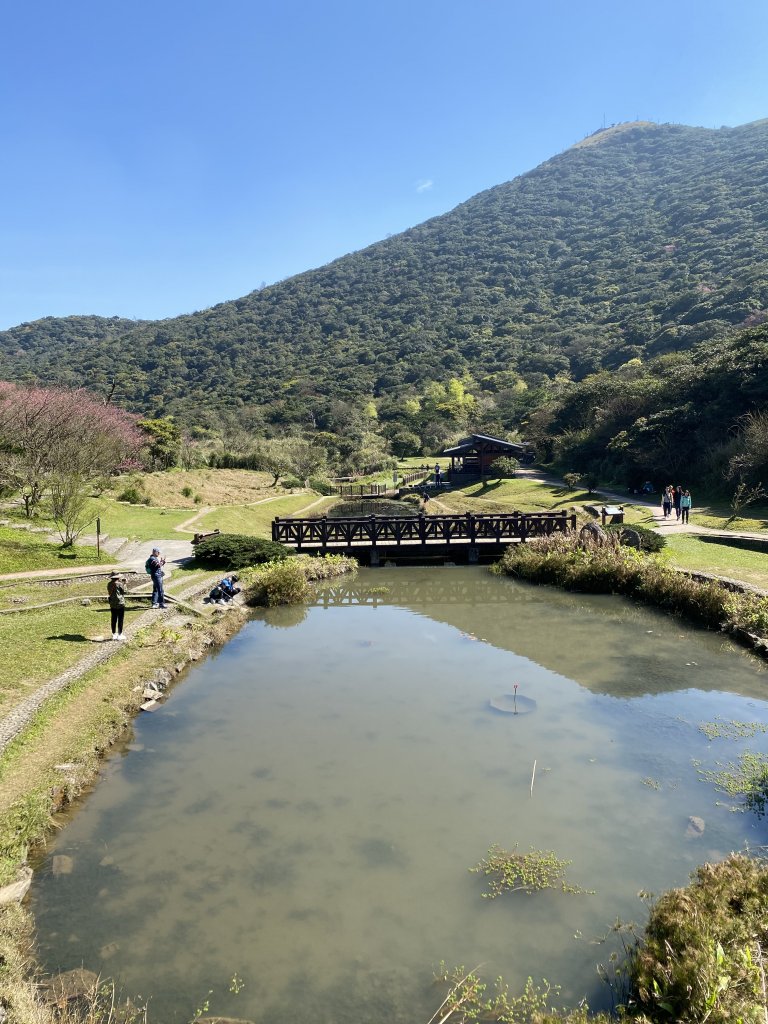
(469, 999)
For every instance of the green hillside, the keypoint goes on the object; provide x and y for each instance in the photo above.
(642, 240)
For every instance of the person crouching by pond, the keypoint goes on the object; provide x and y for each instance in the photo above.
(685, 505)
(116, 595)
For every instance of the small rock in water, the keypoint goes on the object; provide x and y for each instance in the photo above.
(107, 861)
(695, 828)
(62, 865)
(109, 950)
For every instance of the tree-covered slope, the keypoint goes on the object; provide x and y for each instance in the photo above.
(641, 240)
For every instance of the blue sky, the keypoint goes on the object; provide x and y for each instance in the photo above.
(161, 157)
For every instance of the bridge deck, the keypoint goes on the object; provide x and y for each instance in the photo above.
(485, 532)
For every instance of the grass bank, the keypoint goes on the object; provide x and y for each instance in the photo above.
(57, 757)
(23, 551)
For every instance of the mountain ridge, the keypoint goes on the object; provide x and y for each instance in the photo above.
(648, 239)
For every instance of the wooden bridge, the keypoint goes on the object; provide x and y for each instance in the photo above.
(372, 538)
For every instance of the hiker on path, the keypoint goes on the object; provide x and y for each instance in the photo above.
(116, 594)
(666, 501)
(685, 505)
(677, 498)
(154, 567)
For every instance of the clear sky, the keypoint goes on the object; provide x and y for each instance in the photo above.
(160, 157)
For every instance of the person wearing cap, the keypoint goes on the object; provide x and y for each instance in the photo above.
(116, 594)
(154, 567)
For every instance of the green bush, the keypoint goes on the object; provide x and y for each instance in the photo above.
(283, 582)
(702, 955)
(187, 491)
(290, 483)
(133, 495)
(649, 539)
(235, 551)
(322, 486)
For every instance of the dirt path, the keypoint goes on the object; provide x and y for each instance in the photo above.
(184, 527)
(666, 527)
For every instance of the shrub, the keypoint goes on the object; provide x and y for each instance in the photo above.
(187, 491)
(702, 955)
(283, 582)
(649, 539)
(235, 551)
(291, 483)
(132, 495)
(322, 486)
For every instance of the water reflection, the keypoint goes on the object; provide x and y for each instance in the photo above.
(606, 643)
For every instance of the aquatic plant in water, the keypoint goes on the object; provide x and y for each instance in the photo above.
(747, 778)
(468, 999)
(511, 871)
(732, 730)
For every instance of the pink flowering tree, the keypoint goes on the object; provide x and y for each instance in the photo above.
(58, 442)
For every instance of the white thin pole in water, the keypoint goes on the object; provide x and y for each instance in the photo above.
(533, 776)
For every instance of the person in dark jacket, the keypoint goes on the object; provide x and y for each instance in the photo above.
(116, 595)
(154, 567)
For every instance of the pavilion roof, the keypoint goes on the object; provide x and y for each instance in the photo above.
(474, 441)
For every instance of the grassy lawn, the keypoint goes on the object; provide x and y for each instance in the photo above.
(137, 522)
(207, 487)
(689, 552)
(256, 520)
(21, 551)
(36, 646)
(719, 519)
(527, 496)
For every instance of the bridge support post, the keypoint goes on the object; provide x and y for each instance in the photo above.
(375, 558)
(473, 555)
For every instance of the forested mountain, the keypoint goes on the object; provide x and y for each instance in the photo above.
(643, 239)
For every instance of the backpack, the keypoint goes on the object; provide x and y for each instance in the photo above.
(148, 568)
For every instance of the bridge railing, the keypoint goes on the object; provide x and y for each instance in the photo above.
(371, 531)
(361, 490)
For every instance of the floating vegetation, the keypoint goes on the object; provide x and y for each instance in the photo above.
(746, 778)
(652, 783)
(378, 590)
(511, 871)
(732, 730)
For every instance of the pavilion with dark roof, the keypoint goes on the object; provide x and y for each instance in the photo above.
(474, 455)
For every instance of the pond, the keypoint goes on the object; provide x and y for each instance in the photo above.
(372, 507)
(301, 815)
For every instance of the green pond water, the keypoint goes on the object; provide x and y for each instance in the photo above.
(303, 810)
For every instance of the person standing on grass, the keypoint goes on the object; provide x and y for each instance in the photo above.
(685, 505)
(154, 567)
(116, 594)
